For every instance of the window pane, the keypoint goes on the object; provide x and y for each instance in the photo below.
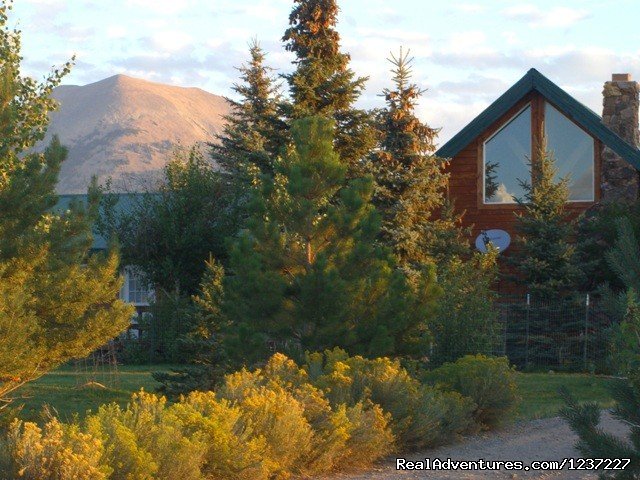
(573, 151)
(506, 160)
(138, 288)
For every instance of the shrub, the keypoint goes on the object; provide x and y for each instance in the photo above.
(147, 440)
(59, 452)
(419, 413)
(299, 419)
(488, 381)
(270, 423)
(233, 451)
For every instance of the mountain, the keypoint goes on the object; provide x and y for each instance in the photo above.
(127, 129)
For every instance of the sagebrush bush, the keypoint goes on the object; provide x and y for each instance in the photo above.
(147, 440)
(341, 435)
(336, 412)
(488, 381)
(265, 424)
(57, 452)
(421, 416)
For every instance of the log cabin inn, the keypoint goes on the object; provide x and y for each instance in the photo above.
(490, 156)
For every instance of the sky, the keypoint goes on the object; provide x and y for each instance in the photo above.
(465, 53)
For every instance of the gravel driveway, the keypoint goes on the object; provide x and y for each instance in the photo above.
(546, 439)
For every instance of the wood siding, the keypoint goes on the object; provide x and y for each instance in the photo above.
(465, 186)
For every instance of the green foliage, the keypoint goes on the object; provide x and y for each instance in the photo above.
(466, 320)
(421, 416)
(308, 274)
(597, 232)
(488, 381)
(323, 84)
(544, 254)
(254, 133)
(584, 418)
(57, 302)
(170, 231)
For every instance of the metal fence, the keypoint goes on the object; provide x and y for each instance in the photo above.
(572, 335)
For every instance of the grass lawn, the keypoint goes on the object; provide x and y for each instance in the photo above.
(540, 398)
(67, 390)
(67, 393)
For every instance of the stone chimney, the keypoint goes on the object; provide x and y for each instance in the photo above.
(620, 181)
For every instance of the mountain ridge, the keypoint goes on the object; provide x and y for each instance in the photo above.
(127, 129)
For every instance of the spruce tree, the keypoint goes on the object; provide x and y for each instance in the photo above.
(544, 256)
(57, 301)
(254, 133)
(308, 274)
(421, 226)
(323, 84)
(418, 222)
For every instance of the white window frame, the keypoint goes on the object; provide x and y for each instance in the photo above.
(125, 293)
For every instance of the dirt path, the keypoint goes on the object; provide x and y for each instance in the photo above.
(547, 439)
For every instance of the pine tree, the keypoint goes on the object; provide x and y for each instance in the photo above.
(254, 133)
(323, 84)
(307, 273)
(584, 418)
(421, 226)
(544, 256)
(418, 222)
(57, 302)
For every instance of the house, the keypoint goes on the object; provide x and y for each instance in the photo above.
(492, 154)
(135, 289)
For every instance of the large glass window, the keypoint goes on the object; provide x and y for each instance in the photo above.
(506, 160)
(507, 154)
(573, 151)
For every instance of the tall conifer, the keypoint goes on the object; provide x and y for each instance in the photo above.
(254, 133)
(307, 272)
(323, 84)
(418, 223)
(544, 256)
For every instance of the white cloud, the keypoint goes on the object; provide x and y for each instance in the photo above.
(171, 40)
(162, 7)
(466, 41)
(556, 17)
(116, 31)
(470, 8)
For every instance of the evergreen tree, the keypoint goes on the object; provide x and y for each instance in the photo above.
(307, 273)
(584, 418)
(418, 222)
(422, 227)
(57, 302)
(323, 84)
(254, 133)
(544, 256)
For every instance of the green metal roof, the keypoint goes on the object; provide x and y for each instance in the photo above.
(126, 203)
(573, 109)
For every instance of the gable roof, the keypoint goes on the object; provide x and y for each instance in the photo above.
(569, 106)
(126, 203)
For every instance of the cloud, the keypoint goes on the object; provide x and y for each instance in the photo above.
(469, 8)
(171, 41)
(161, 7)
(556, 17)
